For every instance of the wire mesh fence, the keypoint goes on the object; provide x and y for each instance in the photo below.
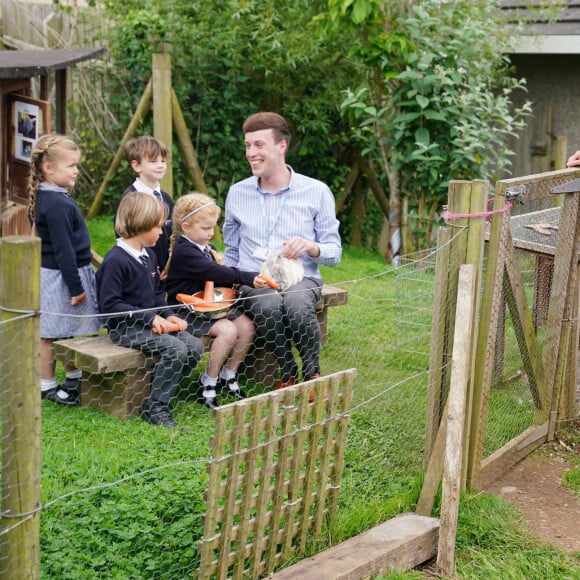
(122, 498)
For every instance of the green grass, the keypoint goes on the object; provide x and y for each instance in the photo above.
(494, 543)
(136, 491)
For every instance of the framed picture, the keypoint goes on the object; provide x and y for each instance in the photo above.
(29, 119)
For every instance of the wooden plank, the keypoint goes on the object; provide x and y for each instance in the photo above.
(227, 515)
(511, 453)
(98, 355)
(565, 259)
(343, 384)
(437, 358)
(521, 316)
(243, 536)
(401, 543)
(474, 256)
(538, 186)
(457, 401)
(491, 305)
(565, 383)
(333, 296)
(16, 64)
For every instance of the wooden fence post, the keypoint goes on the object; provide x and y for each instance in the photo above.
(162, 109)
(456, 420)
(20, 384)
(465, 198)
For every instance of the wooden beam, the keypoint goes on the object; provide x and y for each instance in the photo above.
(187, 147)
(162, 112)
(19, 381)
(137, 120)
(460, 375)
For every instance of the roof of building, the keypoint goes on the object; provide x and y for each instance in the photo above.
(30, 63)
(566, 22)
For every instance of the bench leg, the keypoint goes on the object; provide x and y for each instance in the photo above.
(118, 394)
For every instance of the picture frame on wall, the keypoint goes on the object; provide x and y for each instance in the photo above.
(29, 119)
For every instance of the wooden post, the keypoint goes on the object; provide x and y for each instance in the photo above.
(162, 117)
(186, 145)
(465, 198)
(456, 419)
(560, 155)
(491, 303)
(437, 353)
(61, 100)
(140, 113)
(20, 383)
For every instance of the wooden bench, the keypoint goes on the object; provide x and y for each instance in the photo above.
(117, 379)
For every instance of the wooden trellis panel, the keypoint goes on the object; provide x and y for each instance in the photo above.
(277, 462)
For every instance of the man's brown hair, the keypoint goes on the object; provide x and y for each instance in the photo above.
(268, 120)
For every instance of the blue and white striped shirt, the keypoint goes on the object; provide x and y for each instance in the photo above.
(257, 221)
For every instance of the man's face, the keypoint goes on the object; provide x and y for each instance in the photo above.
(264, 155)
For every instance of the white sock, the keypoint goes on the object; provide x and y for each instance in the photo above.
(48, 384)
(76, 374)
(226, 374)
(208, 381)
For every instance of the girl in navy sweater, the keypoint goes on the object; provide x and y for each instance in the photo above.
(138, 316)
(193, 261)
(67, 278)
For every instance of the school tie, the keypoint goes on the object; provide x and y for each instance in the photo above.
(157, 194)
(144, 259)
(207, 253)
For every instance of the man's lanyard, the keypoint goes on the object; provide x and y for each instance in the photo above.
(272, 225)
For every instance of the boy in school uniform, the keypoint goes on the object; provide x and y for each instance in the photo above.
(134, 307)
(147, 157)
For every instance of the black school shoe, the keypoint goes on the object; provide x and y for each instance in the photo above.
(60, 396)
(73, 388)
(206, 395)
(157, 413)
(231, 387)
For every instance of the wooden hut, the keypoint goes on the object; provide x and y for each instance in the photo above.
(24, 118)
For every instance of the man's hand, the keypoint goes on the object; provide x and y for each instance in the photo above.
(574, 160)
(295, 246)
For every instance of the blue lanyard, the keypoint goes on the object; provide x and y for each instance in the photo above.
(272, 227)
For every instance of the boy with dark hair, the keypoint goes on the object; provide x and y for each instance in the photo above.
(147, 157)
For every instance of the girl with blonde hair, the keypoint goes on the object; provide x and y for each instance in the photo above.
(67, 278)
(193, 261)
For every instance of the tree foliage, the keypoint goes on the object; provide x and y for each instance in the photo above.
(420, 89)
(436, 100)
(231, 58)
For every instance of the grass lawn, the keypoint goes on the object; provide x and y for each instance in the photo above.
(124, 499)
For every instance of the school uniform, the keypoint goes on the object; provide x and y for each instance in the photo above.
(161, 248)
(66, 269)
(130, 296)
(191, 266)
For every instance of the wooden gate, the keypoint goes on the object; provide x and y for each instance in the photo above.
(275, 475)
(548, 357)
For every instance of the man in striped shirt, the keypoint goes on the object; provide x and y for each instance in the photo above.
(279, 211)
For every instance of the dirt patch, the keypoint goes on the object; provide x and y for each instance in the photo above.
(551, 511)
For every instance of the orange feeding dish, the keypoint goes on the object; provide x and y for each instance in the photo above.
(210, 302)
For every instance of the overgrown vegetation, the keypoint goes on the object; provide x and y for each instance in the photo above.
(420, 90)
